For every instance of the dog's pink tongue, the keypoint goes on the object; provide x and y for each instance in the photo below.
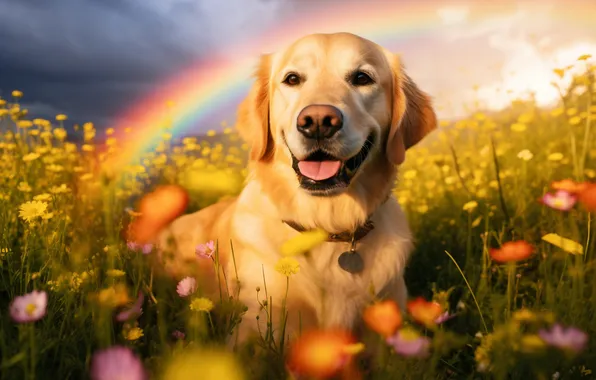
(319, 170)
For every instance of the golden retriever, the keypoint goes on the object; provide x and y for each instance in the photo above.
(328, 121)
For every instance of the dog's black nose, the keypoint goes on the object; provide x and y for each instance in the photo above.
(319, 121)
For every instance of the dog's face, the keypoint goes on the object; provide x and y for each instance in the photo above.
(327, 106)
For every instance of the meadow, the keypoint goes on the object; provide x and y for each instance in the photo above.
(96, 306)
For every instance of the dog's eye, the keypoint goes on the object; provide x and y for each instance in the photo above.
(292, 79)
(361, 79)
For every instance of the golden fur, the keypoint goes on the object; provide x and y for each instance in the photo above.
(321, 293)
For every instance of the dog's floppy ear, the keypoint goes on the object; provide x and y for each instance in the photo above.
(252, 121)
(412, 114)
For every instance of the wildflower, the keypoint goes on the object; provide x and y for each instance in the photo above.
(525, 155)
(303, 242)
(62, 189)
(512, 251)
(287, 266)
(575, 120)
(524, 315)
(569, 338)
(42, 197)
(32, 210)
(408, 342)
(60, 133)
(205, 250)
(113, 296)
(561, 200)
(587, 197)
(30, 307)
(116, 362)
(383, 317)
(470, 206)
(30, 157)
(424, 312)
(555, 156)
(24, 187)
(115, 273)
(132, 333)
(17, 94)
(204, 363)
(565, 244)
(569, 186)
(158, 208)
(531, 343)
(179, 335)
(444, 318)
(518, 127)
(410, 174)
(584, 57)
(320, 354)
(186, 286)
(134, 311)
(61, 117)
(201, 304)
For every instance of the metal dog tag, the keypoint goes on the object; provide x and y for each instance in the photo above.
(351, 262)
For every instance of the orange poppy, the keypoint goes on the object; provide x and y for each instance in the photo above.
(157, 209)
(425, 312)
(383, 317)
(569, 186)
(320, 353)
(512, 251)
(587, 197)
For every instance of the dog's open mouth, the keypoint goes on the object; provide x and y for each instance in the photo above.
(322, 174)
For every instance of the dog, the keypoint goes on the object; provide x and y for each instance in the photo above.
(328, 121)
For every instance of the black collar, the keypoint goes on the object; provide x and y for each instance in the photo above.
(344, 236)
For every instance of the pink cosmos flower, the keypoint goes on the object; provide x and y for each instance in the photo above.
(30, 307)
(186, 286)
(560, 200)
(145, 248)
(134, 311)
(565, 338)
(206, 250)
(116, 362)
(444, 318)
(408, 342)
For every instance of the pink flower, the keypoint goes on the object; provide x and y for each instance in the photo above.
(133, 312)
(444, 318)
(565, 338)
(116, 362)
(179, 335)
(206, 250)
(408, 342)
(145, 248)
(186, 286)
(30, 307)
(560, 200)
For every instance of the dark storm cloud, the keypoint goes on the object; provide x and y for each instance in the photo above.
(92, 58)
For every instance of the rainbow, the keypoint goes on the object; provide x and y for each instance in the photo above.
(204, 95)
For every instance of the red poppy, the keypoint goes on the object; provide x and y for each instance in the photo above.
(512, 251)
(320, 353)
(383, 317)
(157, 209)
(425, 312)
(587, 197)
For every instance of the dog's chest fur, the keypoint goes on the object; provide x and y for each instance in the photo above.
(336, 295)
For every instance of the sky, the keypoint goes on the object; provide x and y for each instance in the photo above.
(94, 59)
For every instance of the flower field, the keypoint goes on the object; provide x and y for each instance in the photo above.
(502, 282)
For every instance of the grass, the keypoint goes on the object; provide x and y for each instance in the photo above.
(472, 186)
